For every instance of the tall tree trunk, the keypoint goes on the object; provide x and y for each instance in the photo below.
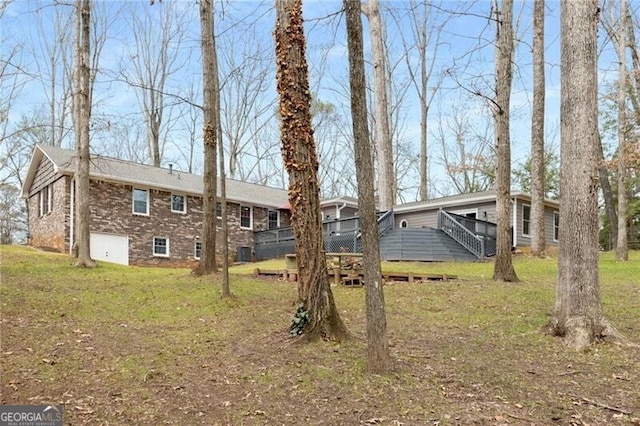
(301, 161)
(607, 194)
(578, 315)
(503, 266)
(378, 357)
(154, 118)
(207, 264)
(425, 31)
(382, 134)
(538, 243)
(622, 252)
(424, 122)
(82, 116)
(635, 64)
(225, 290)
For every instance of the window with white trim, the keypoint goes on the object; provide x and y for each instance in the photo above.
(556, 226)
(526, 219)
(50, 198)
(140, 201)
(404, 223)
(178, 203)
(161, 246)
(45, 200)
(41, 203)
(246, 217)
(197, 250)
(274, 219)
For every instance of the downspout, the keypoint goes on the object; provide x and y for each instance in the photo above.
(515, 222)
(338, 215)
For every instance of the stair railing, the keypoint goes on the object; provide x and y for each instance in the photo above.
(450, 226)
(385, 222)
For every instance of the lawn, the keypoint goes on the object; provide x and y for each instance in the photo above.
(146, 346)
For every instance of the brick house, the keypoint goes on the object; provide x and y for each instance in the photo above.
(140, 214)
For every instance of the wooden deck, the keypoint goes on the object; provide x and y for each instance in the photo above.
(355, 278)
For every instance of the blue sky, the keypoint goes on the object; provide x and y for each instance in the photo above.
(466, 52)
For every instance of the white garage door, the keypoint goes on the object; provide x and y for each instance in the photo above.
(110, 248)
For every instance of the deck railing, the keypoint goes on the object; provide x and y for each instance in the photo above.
(450, 225)
(482, 228)
(340, 235)
(385, 222)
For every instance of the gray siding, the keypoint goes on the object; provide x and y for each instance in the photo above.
(428, 218)
(525, 240)
(331, 212)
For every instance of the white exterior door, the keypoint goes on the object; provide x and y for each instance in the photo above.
(110, 248)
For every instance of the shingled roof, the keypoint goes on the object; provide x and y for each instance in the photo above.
(116, 170)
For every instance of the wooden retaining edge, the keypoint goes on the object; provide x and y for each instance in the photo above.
(339, 276)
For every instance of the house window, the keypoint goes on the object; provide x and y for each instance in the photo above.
(50, 198)
(41, 203)
(274, 219)
(245, 217)
(161, 246)
(140, 201)
(526, 219)
(45, 200)
(404, 223)
(219, 209)
(178, 203)
(197, 250)
(556, 226)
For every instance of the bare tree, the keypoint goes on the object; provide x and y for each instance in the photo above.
(155, 55)
(378, 357)
(503, 266)
(578, 315)
(125, 139)
(466, 151)
(622, 251)
(82, 118)
(190, 119)
(336, 171)
(53, 62)
(538, 243)
(12, 80)
(426, 30)
(382, 133)
(300, 159)
(247, 108)
(633, 77)
(13, 215)
(207, 264)
(225, 289)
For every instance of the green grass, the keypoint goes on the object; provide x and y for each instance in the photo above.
(151, 345)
